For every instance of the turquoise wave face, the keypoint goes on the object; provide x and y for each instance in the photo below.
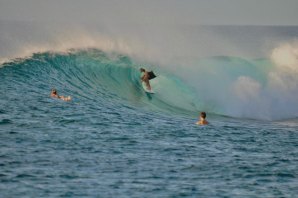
(103, 78)
(228, 86)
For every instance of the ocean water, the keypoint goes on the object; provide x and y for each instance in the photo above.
(114, 140)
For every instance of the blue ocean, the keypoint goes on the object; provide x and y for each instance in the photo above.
(115, 140)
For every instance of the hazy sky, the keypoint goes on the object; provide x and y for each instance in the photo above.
(204, 12)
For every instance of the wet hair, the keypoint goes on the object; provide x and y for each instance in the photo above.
(142, 70)
(54, 91)
(203, 115)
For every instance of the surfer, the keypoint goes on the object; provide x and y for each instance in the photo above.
(54, 94)
(202, 120)
(146, 77)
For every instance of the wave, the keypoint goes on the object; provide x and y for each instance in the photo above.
(222, 85)
(103, 77)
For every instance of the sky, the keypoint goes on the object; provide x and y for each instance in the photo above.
(192, 12)
(149, 29)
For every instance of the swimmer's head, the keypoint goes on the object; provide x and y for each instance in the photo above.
(203, 115)
(54, 91)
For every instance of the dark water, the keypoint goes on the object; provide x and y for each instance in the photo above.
(113, 140)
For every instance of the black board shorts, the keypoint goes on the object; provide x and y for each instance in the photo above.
(151, 75)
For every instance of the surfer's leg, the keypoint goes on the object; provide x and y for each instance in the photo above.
(147, 84)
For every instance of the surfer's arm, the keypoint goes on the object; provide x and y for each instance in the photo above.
(145, 76)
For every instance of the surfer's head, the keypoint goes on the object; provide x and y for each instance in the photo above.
(203, 115)
(142, 70)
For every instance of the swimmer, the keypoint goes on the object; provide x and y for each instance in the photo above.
(146, 77)
(202, 120)
(54, 94)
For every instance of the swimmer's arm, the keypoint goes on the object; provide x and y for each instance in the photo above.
(55, 96)
(202, 123)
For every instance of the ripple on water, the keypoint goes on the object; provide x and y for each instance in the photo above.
(5, 121)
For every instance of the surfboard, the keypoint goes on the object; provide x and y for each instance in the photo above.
(146, 89)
